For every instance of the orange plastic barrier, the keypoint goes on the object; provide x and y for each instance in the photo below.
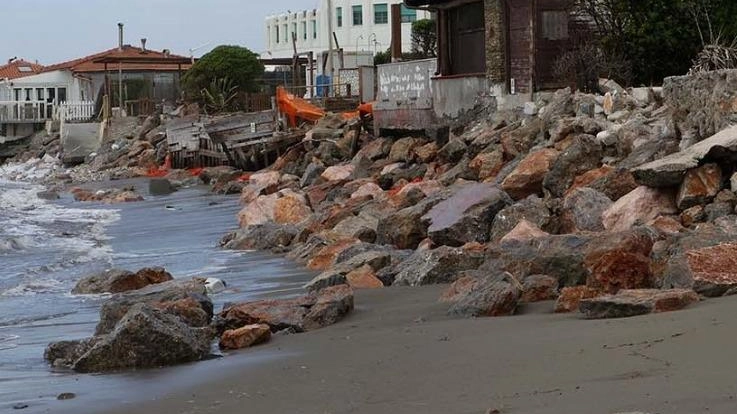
(295, 107)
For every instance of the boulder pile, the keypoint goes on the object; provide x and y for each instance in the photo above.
(592, 201)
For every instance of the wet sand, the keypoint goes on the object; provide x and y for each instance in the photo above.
(399, 353)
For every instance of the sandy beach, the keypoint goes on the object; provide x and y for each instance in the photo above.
(399, 353)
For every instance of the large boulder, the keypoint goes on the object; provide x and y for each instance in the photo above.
(291, 208)
(487, 164)
(582, 211)
(331, 305)
(582, 155)
(629, 303)
(480, 295)
(403, 149)
(144, 338)
(527, 177)
(617, 261)
(466, 216)
(700, 186)
(670, 170)
(531, 209)
(453, 151)
(538, 288)
(258, 211)
(117, 281)
(308, 312)
(442, 265)
(559, 256)
(405, 228)
(262, 237)
(117, 306)
(639, 206)
(263, 183)
(713, 269)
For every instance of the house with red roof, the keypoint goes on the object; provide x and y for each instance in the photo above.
(19, 68)
(77, 86)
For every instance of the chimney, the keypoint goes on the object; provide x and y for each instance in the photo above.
(143, 44)
(120, 36)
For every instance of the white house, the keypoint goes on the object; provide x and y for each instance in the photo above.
(359, 25)
(70, 89)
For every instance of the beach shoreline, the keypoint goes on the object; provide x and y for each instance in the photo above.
(400, 353)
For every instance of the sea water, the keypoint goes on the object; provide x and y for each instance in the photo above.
(47, 246)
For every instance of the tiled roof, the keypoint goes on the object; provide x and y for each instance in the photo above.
(18, 69)
(87, 64)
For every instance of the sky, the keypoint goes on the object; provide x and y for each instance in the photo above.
(53, 31)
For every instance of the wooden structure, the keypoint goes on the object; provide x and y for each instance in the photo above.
(512, 43)
(249, 141)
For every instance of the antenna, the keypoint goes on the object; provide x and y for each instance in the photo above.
(194, 49)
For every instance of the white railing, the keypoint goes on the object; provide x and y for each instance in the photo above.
(75, 111)
(26, 111)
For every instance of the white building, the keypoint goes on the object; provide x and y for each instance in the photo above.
(359, 25)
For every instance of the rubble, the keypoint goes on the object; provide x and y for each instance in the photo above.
(592, 201)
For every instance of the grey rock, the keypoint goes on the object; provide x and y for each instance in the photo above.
(488, 295)
(532, 209)
(452, 152)
(117, 281)
(117, 306)
(582, 211)
(160, 187)
(582, 156)
(669, 171)
(262, 237)
(467, 215)
(441, 265)
(146, 338)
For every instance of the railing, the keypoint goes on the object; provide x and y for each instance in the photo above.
(76, 111)
(26, 111)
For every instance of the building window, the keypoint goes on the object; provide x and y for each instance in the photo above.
(339, 16)
(314, 29)
(285, 28)
(358, 15)
(408, 15)
(294, 32)
(277, 33)
(304, 30)
(555, 25)
(381, 14)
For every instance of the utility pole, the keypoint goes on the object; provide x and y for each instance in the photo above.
(330, 40)
(120, 69)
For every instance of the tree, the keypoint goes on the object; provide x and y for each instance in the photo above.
(235, 65)
(424, 39)
(658, 38)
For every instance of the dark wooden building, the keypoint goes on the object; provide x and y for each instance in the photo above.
(511, 44)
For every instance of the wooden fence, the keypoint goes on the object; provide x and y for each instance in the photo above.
(76, 111)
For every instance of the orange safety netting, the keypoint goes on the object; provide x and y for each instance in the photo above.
(162, 170)
(295, 107)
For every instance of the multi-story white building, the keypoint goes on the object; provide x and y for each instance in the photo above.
(359, 25)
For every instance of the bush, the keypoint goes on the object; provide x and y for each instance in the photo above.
(241, 67)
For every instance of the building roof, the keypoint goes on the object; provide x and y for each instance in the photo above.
(157, 61)
(19, 68)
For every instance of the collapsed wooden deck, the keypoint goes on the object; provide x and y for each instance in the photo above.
(249, 141)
